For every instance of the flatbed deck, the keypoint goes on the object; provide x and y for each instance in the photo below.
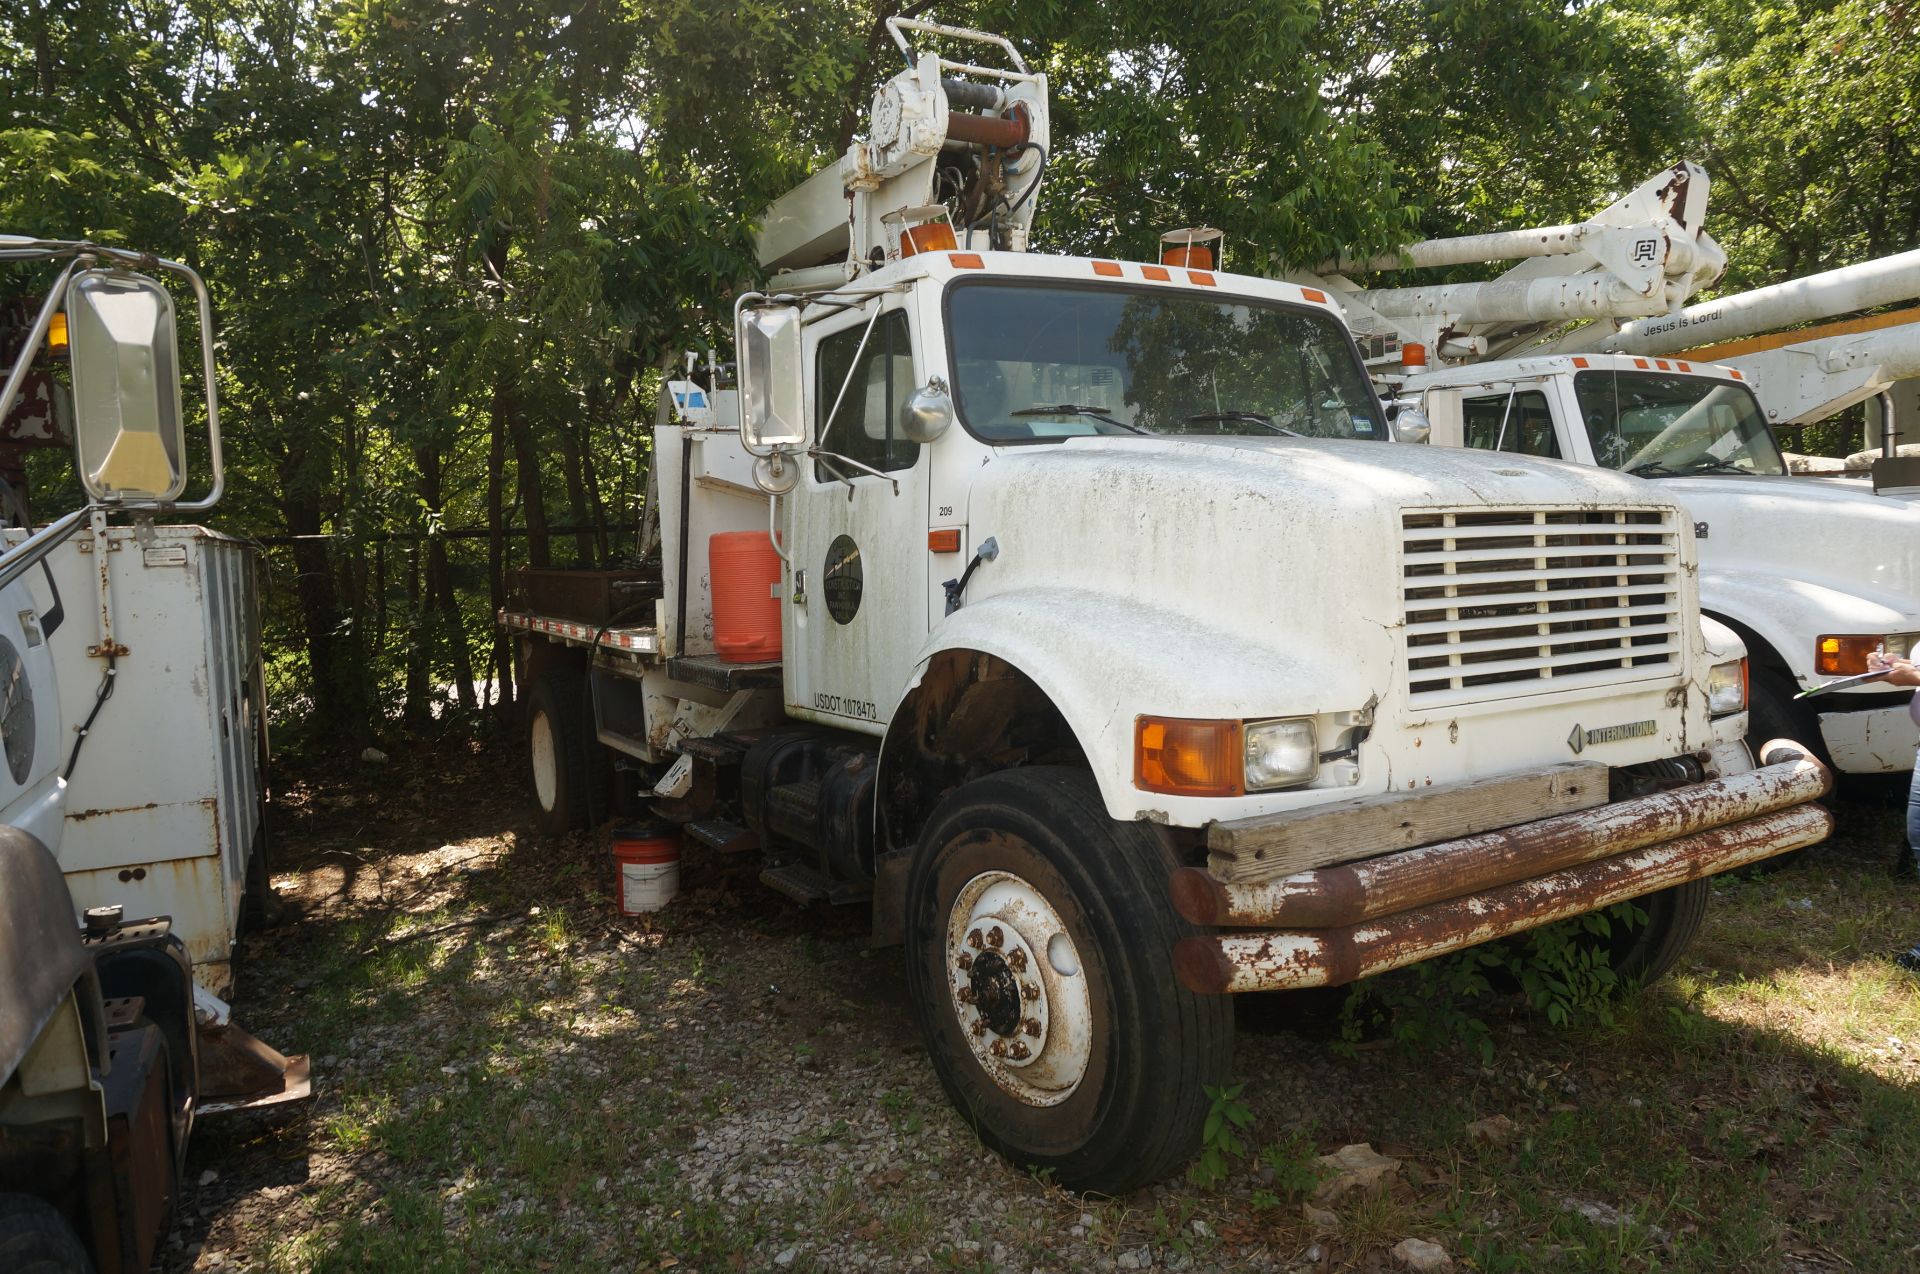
(625, 640)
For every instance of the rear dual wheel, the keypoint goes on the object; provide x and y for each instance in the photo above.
(1040, 945)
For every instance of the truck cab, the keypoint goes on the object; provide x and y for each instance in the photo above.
(1812, 573)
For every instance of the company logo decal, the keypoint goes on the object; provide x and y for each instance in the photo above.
(1580, 738)
(842, 580)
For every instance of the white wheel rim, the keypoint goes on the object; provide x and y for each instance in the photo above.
(546, 765)
(1019, 988)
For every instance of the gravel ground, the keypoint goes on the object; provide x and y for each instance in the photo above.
(508, 1075)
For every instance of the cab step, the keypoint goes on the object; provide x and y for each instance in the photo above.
(805, 885)
(721, 836)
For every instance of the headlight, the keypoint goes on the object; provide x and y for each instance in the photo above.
(1281, 753)
(1842, 655)
(1727, 688)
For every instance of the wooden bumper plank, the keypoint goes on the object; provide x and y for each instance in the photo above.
(1269, 846)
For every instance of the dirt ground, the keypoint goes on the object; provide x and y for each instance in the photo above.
(510, 1076)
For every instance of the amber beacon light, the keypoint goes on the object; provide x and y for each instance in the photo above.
(1193, 248)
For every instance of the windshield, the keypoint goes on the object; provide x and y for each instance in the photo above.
(1659, 426)
(1066, 360)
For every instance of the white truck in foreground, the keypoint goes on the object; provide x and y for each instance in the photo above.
(131, 719)
(1814, 574)
(1123, 664)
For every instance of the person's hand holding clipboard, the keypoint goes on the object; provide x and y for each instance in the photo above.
(1880, 667)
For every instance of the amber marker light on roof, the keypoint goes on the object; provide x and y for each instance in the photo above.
(1157, 273)
(1580, 362)
(1184, 757)
(1200, 277)
(1109, 268)
(1315, 295)
(967, 261)
(1641, 363)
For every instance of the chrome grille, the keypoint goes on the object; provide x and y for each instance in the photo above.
(1499, 602)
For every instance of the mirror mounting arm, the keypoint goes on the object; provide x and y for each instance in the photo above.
(834, 457)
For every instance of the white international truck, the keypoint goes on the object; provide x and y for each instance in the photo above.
(1812, 573)
(132, 727)
(1123, 664)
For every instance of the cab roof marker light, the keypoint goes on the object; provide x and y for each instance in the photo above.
(966, 261)
(1641, 363)
(1111, 269)
(1581, 362)
(1200, 278)
(1157, 273)
(1315, 295)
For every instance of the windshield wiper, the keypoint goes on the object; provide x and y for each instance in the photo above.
(1076, 409)
(1653, 469)
(1716, 466)
(1260, 418)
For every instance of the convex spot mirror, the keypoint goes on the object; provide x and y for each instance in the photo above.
(772, 413)
(927, 412)
(129, 433)
(1410, 424)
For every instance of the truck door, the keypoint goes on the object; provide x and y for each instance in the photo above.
(859, 538)
(1514, 419)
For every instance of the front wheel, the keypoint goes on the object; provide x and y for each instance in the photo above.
(1040, 945)
(1640, 954)
(36, 1239)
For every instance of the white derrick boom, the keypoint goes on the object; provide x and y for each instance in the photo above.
(1866, 286)
(974, 148)
(1644, 254)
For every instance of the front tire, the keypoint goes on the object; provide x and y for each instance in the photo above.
(1040, 943)
(1646, 953)
(1771, 715)
(36, 1239)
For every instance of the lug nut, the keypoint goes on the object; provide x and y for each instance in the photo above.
(965, 961)
(979, 1027)
(1032, 1025)
(1018, 959)
(973, 939)
(964, 995)
(998, 1048)
(1028, 991)
(995, 938)
(1020, 1051)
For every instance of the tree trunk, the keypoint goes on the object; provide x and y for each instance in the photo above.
(578, 504)
(500, 670)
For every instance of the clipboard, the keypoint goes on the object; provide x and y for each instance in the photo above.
(1859, 679)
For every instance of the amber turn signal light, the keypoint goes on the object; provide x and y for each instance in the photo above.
(1184, 757)
(1845, 656)
(944, 541)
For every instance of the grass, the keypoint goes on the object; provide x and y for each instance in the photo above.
(514, 1082)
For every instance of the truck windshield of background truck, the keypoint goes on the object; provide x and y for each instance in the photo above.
(1662, 426)
(1061, 360)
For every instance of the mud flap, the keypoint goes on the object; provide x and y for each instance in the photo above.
(237, 1071)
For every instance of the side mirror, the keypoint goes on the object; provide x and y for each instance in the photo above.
(927, 412)
(772, 409)
(1410, 424)
(129, 432)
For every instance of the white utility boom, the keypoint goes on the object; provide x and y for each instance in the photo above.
(1643, 255)
(1805, 374)
(971, 151)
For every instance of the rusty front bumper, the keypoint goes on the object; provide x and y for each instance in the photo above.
(1338, 924)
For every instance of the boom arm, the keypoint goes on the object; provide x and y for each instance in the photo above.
(976, 147)
(1642, 255)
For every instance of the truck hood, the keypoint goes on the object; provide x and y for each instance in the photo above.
(1289, 547)
(1847, 540)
